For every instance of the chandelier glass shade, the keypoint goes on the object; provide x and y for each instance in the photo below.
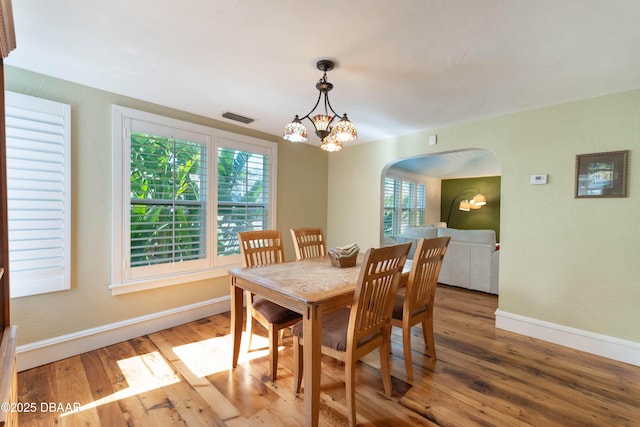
(331, 137)
(322, 123)
(295, 131)
(331, 144)
(344, 130)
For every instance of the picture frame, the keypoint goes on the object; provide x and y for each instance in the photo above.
(601, 175)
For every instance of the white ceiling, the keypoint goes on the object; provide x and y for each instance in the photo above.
(402, 66)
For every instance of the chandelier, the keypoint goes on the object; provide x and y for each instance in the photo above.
(331, 137)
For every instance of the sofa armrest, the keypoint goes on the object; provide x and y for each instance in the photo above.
(414, 243)
(495, 272)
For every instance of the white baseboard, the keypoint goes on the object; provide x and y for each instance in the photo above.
(58, 348)
(601, 345)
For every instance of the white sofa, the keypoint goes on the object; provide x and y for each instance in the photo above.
(472, 258)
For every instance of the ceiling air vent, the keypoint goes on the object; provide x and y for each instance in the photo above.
(237, 118)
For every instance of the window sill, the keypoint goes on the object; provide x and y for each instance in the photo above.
(161, 282)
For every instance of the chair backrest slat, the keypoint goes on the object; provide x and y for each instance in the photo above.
(308, 242)
(261, 247)
(425, 268)
(376, 289)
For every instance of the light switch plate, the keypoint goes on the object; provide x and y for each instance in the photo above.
(433, 139)
(539, 179)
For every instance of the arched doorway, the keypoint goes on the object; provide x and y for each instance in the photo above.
(428, 190)
(431, 170)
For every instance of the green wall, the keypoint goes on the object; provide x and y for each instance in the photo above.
(301, 200)
(487, 217)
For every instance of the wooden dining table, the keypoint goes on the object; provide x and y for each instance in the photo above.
(311, 287)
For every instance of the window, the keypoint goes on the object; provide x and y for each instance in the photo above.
(174, 184)
(38, 194)
(404, 205)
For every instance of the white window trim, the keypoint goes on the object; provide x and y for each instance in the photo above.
(214, 266)
(63, 113)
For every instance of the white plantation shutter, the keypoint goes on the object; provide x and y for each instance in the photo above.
(390, 204)
(244, 194)
(404, 205)
(168, 227)
(421, 203)
(38, 193)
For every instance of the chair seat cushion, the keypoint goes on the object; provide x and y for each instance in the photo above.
(398, 308)
(335, 326)
(273, 312)
(334, 329)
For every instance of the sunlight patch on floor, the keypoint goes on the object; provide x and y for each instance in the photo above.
(213, 355)
(142, 373)
(151, 371)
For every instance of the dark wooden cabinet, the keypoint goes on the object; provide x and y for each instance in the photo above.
(8, 373)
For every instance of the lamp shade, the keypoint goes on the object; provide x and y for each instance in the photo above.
(344, 130)
(295, 131)
(480, 199)
(331, 144)
(322, 122)
(465, 205)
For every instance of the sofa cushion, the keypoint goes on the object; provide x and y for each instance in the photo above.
(420, 232)
(478, 237)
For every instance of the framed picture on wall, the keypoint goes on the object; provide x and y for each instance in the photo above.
(601, 174)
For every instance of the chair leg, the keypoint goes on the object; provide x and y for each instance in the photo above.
(406, 345)
(297, 364)
(350, 380)
(273, 350)
(385, 363)
(429, 340)
(249, 327)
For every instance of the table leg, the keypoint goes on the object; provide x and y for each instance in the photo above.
(236, 320)
(312, 354)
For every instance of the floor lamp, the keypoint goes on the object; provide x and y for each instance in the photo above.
(476, 202)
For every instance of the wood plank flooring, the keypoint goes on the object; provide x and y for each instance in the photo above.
(483, 377)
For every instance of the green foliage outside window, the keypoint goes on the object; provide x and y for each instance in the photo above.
(168, 184)
(168, 195)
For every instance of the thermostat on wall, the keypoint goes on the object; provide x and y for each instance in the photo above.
(539, 179)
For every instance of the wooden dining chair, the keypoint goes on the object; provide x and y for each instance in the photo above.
(260, 248)
(350, 333)
(416, 305)
(308, 242)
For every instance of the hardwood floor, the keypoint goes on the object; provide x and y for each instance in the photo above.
(483, 377)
